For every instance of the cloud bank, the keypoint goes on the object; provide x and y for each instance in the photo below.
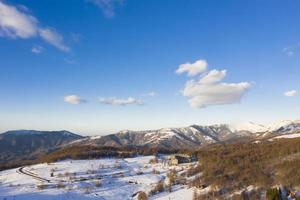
(120, 102)
(210, 89)
(18, 23)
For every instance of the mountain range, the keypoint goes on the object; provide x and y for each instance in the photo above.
(26, 144)
(193, 136)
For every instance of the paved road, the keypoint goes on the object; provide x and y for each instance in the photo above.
(21, 170)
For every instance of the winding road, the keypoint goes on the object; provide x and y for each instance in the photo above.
(21, 170)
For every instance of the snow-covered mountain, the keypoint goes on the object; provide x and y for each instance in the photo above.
(249, 126)
(187, 137)
(285, 126)
(281, 127)
(193, 136)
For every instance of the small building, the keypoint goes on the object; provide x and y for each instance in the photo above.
(178, 159)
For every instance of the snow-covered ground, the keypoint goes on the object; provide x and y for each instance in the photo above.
(295, 135)
(106, 179)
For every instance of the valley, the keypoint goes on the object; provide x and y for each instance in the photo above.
(94, 179)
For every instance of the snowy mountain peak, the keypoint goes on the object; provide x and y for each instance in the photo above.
(249, 126)
(285, 126)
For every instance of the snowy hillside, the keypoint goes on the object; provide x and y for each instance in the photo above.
(106, 179)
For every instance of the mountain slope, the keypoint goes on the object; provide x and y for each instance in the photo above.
(27, 143)
(176, 138)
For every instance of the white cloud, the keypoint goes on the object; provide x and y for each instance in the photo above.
(290, 93)
(150, 94)
(54, 38)
(14, 23)
(37, 49)
(107, 6)
(211, 90)
(18, 23)
(120, 102)
(214, 76)
(74, 99)
(193, 69)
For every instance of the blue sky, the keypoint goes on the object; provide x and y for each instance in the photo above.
(99, 66)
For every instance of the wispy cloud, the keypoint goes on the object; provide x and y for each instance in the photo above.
(18, 23)
(37, 49)
(120, 102)
(150, 94)
(292, 49)
(70, 61)
(210, 90)
(74, 99)
(51, 36)
(107, 6)
(290, 93)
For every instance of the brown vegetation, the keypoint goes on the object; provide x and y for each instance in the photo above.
(159, 187)
(142, 196)
(236, 166)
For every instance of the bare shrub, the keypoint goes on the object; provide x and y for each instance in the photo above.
(193, 170)
(154, 171)
(142, 196)
(159, 187)
(172, 175)
(98, 183)
(41, 186)
(273, 194)
(67, 174)
(90, 171)
(87, 190)
(153, 160)
(60, 185)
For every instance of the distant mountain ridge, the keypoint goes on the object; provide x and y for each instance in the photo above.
(192, 136)
(25, 144)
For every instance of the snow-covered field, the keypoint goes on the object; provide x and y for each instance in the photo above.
(295, 135)
(107, 179)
